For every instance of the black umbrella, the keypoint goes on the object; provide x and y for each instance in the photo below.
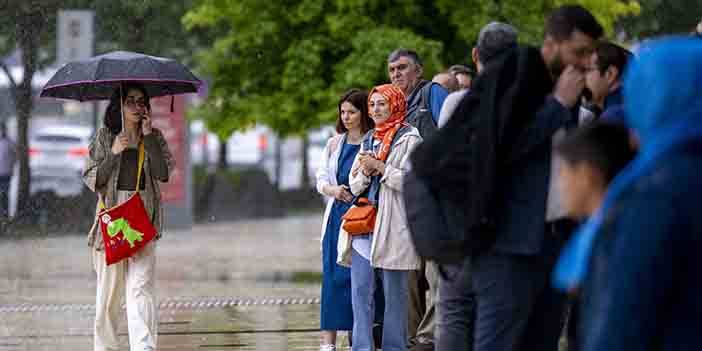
(98, 77)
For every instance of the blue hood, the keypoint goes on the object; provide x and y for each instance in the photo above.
(663, 87)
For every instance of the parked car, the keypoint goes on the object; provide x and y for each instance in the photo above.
(57, 155)
(256, 148)
(244, 149)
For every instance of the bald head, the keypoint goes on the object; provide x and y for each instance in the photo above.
(446, 80)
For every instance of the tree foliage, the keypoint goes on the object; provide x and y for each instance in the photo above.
(152, 27)
(30, 26)
(660, 17)
(528, 16)
(285, 64)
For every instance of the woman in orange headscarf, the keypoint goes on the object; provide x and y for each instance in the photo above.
(377, 174)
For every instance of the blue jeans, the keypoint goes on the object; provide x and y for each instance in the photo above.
(395, 316)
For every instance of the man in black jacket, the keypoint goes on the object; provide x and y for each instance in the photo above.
(455, 301)
(516, 309)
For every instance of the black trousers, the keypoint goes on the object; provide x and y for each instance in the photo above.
(516, 307)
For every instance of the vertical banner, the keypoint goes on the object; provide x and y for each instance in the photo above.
(173, 125)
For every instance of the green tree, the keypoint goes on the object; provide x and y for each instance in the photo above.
(27, 25)
(284, 65)
(660, 17)
(528, 16)
(152, 27)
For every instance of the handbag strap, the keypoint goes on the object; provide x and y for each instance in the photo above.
(140, 165)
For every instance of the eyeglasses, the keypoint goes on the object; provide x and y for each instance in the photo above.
(131, 102)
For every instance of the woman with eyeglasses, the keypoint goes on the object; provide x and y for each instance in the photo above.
(112, 172)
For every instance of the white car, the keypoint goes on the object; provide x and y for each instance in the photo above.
(244, 149)
(57, 155)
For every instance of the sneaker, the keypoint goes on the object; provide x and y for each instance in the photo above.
(327, 348)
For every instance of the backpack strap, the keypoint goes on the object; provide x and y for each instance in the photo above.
(415, 99)
(425, 96)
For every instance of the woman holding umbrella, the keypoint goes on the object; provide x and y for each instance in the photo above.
(112, 172)
(127, 160)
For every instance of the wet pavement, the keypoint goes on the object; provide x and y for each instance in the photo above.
(221, 286)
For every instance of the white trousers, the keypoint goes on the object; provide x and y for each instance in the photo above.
(137, 275)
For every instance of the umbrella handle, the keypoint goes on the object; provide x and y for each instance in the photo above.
(121, 107)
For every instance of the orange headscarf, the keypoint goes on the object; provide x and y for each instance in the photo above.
(398, 109)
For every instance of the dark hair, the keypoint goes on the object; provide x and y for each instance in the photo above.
(359, 99)
(610, 54)
(605, 146)
(461, 69)
(565, 20)
(411, 54)
(113, 113)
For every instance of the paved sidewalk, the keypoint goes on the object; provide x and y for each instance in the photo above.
(222, 286)
(235, 259)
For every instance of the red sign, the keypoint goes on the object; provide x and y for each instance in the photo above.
(172, 125)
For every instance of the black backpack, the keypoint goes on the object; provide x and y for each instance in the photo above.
(436, 216)
(419, 110)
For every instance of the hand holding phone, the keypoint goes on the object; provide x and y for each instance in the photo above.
(146, 127)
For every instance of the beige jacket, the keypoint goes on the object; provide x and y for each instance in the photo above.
(102, 172)
(392, 247)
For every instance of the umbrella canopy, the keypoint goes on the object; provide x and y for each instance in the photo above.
(98, 77)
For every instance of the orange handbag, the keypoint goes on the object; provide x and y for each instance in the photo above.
(360, 218)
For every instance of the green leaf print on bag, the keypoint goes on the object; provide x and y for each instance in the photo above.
(121, 225)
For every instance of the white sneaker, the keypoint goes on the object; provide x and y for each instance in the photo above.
(327, 348)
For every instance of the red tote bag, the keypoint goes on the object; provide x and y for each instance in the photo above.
(126, 228)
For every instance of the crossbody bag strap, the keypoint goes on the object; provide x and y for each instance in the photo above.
(140, 165)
